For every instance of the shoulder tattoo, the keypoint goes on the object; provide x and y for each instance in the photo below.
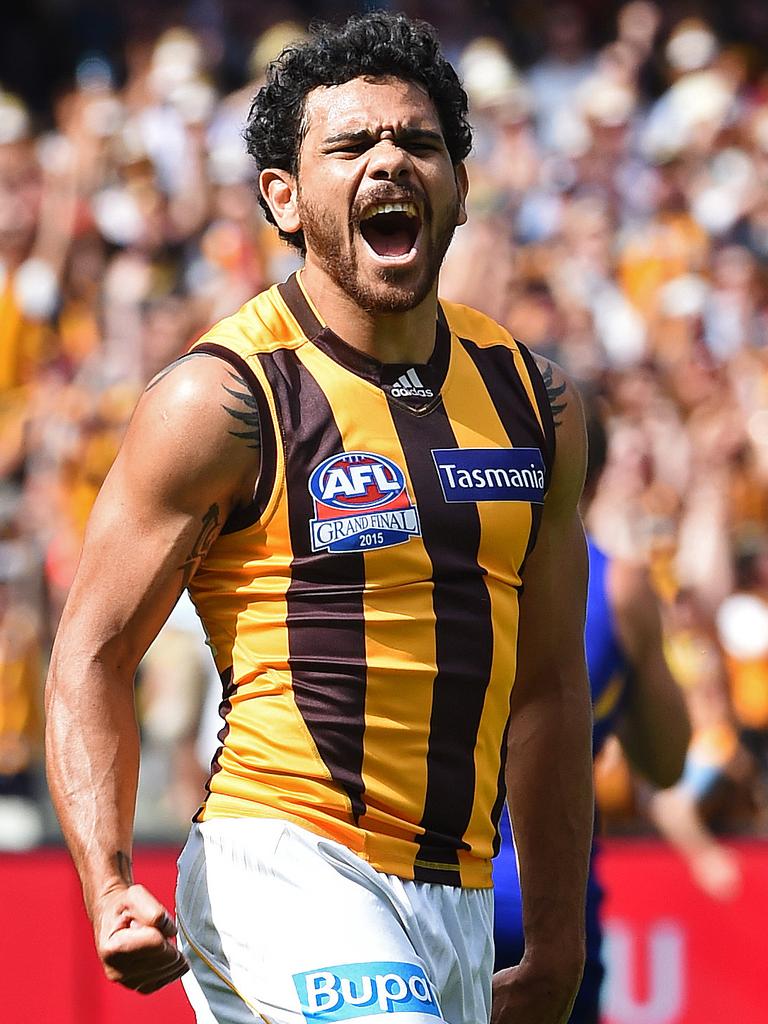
(247, 415)
(555, 392)
(172, 366)
(247, 411)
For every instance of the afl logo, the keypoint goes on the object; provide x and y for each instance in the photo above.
(361, 502)
(356, 480)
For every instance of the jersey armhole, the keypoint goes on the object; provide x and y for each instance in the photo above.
(545, 409)
(249, 514)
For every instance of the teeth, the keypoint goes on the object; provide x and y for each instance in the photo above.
(409, 209)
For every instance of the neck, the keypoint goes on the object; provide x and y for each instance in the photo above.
(407, 337)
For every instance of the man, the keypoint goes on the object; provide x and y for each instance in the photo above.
(633, 696)
(349, 478)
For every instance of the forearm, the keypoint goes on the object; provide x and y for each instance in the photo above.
(657, 753)
(549, 782)
(92, 755)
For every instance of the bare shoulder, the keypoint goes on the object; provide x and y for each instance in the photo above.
(200, 382)
(197, 417)
(570, 431)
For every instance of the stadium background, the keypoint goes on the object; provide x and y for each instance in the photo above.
(619, 223)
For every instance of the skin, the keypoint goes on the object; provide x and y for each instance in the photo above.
(550, 797)
(188, 460)
(366, 141)
(658, 754)
(179, 473)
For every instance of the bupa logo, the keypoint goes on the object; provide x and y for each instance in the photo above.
(361, 503)
(359, 990)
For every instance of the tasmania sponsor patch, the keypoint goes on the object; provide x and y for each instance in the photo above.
(490, 474)
(361, 990)
(361, 503)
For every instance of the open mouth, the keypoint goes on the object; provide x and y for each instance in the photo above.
(391, 229)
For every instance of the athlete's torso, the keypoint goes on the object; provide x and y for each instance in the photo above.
(364, 616)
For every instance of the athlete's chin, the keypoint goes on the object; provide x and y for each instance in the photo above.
(394, 289)
(382, 301)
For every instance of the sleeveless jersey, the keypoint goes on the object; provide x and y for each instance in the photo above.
(363, 614)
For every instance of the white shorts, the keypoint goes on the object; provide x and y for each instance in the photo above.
(283, 926)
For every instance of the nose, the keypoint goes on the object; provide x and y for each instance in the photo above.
(389, 162)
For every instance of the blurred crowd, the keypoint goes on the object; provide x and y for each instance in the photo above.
(618, 224)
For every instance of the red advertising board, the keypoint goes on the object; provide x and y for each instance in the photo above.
(675, 955)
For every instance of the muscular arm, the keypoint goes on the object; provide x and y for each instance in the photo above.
(654, 730)
(180, 471)
(549, 767)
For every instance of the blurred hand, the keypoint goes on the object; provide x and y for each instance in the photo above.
(716, 870)
(133, 939)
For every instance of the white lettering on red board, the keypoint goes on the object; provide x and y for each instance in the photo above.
(662, 945)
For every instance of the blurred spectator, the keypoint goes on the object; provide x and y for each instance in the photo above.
(555, 78)
(742, 622)
(618, 223)
(21, 664)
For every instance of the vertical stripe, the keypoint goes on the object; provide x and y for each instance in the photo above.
(505, 529)
(325, 621)
(501, 790)
(497, 367)
(399, 618)
(463, 647)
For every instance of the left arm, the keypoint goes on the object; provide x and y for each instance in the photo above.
(549, 766)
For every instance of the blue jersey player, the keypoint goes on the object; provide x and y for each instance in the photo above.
(634, 697)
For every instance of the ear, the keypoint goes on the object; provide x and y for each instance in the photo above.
(280, 191)
(462, 184)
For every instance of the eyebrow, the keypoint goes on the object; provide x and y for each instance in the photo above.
(401, 135)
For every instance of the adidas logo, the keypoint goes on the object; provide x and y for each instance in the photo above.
(409, 386)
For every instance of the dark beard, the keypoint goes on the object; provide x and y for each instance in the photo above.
(322, 236)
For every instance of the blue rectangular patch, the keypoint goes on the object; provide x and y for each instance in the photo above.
(490, 474)
(360, 990)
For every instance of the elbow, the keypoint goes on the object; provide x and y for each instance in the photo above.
(668, 769)
(668, 773)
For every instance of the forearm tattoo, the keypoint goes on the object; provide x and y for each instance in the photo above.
(555, 394)
(208, 532)
(248, 417)
(124, 866)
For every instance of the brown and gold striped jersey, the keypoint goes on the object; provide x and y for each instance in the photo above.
(363, 613)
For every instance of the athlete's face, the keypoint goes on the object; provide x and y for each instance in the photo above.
(377, 195)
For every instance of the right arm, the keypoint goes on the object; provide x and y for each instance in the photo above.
(654, 730)
(181, 470)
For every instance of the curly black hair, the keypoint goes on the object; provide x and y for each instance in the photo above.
(377, 44)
